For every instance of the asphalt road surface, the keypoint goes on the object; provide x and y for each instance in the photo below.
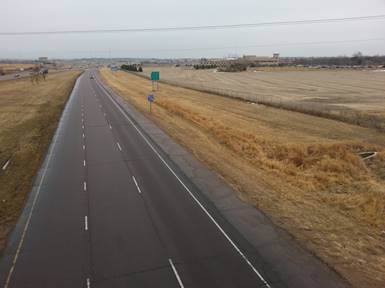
(108, 210)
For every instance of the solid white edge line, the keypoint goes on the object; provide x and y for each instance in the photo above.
(188, 190)
(176, 273)
(120, 148)
(136, 184)
(34, 202)
(6, 164)
(84, 186)
(85, 223)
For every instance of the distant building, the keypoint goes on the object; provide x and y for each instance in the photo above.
(258, 60)
(43, 60)
(244, 60)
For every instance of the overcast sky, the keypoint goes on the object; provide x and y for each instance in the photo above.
(49, 15)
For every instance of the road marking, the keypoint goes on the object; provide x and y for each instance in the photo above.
(6, 164)
(110, 126)
(85, 223)
(176, 273)
(84, 147)
(120, 148)
(84, 163)
(33, 206)
(136, 184)
(83, 127)
(84, 186)
(104, 114)
(84, 136)
(88, 283)
(243, 256)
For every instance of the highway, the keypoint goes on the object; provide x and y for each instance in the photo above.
(109, 210)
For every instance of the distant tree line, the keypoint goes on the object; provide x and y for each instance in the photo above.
(132, 67)
(234, 67)
(205, 66)
(357, 59)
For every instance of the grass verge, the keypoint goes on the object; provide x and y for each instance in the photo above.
(302, 171)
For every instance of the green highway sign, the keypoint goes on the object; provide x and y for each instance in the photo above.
(155, 76)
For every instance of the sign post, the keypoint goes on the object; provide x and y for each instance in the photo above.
(155, 79)
(150, 99)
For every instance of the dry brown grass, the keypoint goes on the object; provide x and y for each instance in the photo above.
(28, 117)
(11, 68)
(353, 96)
(302, 171)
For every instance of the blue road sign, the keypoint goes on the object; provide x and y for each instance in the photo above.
(150, 98)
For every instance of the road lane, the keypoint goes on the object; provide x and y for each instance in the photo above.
(124, 245)
(199, 249)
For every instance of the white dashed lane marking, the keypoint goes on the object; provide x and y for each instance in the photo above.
(136, 184)
(85, 223)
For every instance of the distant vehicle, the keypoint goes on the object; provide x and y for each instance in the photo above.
(17, 75)
(92, 77)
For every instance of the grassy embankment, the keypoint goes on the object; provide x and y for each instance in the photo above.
(29, 114)
(302, 171)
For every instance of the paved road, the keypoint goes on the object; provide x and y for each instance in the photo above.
(108, 210)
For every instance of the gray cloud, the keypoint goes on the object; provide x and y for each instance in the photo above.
(48, 15)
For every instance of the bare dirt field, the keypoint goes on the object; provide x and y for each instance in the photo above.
(342, 93)
(302, 171)
(28, 117)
